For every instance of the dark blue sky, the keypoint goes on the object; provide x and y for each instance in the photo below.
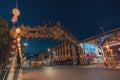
(82, 18)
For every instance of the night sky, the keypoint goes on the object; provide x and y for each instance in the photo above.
(82, 18)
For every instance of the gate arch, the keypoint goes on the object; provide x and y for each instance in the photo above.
(53, 31)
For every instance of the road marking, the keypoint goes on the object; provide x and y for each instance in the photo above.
(5, 75)
(20, 75)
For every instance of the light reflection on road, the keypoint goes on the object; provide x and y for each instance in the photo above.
(69, 73)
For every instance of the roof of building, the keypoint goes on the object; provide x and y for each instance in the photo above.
(99, 35)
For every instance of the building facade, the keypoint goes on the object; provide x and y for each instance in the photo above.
(109, 45)
(64, 54)
(102, 48)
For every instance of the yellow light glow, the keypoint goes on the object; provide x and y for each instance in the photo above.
(81, 56)
(18, 30)
(16, 12)
(107, 46)
(14, 41)
(119, 49)
(18, 39)
(19, 48)
(19, 45)
(13, 46)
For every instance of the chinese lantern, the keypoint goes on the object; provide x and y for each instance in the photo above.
(15, 13)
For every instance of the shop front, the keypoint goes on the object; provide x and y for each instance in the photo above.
(92, 54)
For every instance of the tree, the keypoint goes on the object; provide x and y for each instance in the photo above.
(4, 32)
(4, 41)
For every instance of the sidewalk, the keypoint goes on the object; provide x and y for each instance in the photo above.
(91, 66)
(100, 67)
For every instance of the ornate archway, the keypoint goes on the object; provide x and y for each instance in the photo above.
(53, 31)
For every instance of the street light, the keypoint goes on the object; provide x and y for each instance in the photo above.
(48, 52)
(48, 49)
(25, 44)
(49, 56)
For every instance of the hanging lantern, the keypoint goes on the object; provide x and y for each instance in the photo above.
(15, 13)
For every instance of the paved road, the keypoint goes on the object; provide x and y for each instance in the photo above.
(69, 73)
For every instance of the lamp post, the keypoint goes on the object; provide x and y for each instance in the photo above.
(49, 53)
(49, 56)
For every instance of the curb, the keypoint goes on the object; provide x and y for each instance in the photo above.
(11, 74)
(98, 68)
